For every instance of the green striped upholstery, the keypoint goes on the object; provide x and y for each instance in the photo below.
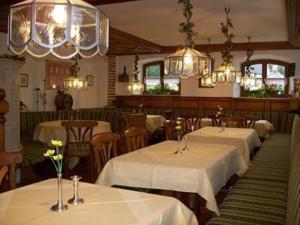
(32, 152)
(293, 209)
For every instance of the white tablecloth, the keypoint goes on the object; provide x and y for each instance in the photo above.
(31, 204)
(50, 130)
(245, 139)
(154, 121)
(204, 169)
(262, 127)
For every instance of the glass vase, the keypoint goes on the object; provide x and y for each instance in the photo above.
(178, 151)
(60, 206)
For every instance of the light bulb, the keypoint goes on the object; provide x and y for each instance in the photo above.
(59, 14)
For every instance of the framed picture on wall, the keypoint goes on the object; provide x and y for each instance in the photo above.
(23, 80)
(89, 79)
(56, 73)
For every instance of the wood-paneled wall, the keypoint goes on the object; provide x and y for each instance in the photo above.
(211, 103)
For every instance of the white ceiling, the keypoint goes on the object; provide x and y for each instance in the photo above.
(158, 20)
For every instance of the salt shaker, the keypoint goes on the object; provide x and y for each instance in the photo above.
(76, 200)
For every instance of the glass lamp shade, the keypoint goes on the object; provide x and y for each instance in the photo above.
(75, 83)
(187, 63)
(227, 73)
(207, 81)
(63, 28)
(248, 81)
(136, 87)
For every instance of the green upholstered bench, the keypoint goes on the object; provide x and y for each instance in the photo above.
(269, 192)
(32, 152)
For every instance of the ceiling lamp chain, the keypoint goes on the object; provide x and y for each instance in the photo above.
(226, 72)
(249, 79)
(136, 87)
(74, 82)
(63, 28)
(187, 62)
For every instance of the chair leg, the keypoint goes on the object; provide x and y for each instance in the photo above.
(92, 168)
(12, 176)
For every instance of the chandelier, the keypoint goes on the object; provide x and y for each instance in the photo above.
(63, 28)
(248, 80)
(226, 72)
(187, 62)
(74, 82)
(207, 80)
(136, 87)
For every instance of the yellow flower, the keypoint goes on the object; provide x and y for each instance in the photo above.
(57, 157)
(178, 127)
(49, 152)
(56, 143)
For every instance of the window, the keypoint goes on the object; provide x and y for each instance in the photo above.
(155, 81)
(271, 78)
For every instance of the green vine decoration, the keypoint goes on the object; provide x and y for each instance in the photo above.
(74, 69)
(13, 57)
(136, 67)
(187, 26)
(225, 29)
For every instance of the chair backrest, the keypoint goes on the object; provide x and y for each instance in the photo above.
(79, 132)
(8, 162)
(135, 138)
(192, 122)
(170, 131)
(250, 121)
(127, 120)
(105, 147)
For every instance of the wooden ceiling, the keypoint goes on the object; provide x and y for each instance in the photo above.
(122, 43)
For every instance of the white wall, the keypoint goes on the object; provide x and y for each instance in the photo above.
(95, 96)
(190, 87)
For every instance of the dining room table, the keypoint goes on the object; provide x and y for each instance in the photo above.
(262, 127)
(30, 205)
(154, 121)
(203, 169)
(53, 130)
(245, 139)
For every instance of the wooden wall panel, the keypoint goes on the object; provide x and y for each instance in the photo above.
(210, 103)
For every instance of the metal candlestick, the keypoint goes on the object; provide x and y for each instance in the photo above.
(76, 200)
(186, 139)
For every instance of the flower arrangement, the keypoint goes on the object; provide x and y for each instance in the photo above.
(55, 153)
(266, 91)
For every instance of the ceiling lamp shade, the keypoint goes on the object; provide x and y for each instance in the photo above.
(74, 82)
(227, 73)
(187, 62)
(63, 28)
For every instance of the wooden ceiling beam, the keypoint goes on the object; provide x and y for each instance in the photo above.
(93, 2)
(293, 19)
(280, 45)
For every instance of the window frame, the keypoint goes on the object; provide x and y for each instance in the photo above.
(264, 63)
(161, 63)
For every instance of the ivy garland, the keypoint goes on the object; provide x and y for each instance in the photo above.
(249, 55)
(225, 29)
(13, 57)
(187, 26)
(136, 67)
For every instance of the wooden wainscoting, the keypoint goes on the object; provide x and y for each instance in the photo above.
(211, 103)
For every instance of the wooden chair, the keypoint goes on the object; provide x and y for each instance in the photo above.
(79, 135)
(127, 120)
(135, 138)
(250, 121)
(170, 131)
(105, 147)
(8, 163)
(192, 122)
(232, 121)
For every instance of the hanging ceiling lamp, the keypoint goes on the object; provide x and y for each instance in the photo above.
(63, 28)
(226, 72)
(187, 62)
(207, 80)
(74, 82)
(248, 80)
(136, 87)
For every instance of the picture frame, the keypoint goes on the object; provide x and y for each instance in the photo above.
(89, 79)
(23, 80)
(56, 73)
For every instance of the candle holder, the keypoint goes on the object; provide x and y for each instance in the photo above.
(186, 140)
(76, 200)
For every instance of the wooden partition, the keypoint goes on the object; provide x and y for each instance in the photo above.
(3, 111)
(211, 103)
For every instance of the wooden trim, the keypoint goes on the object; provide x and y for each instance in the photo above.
(210, 103)
(3, 110)
(279, 45)
(293, 18)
